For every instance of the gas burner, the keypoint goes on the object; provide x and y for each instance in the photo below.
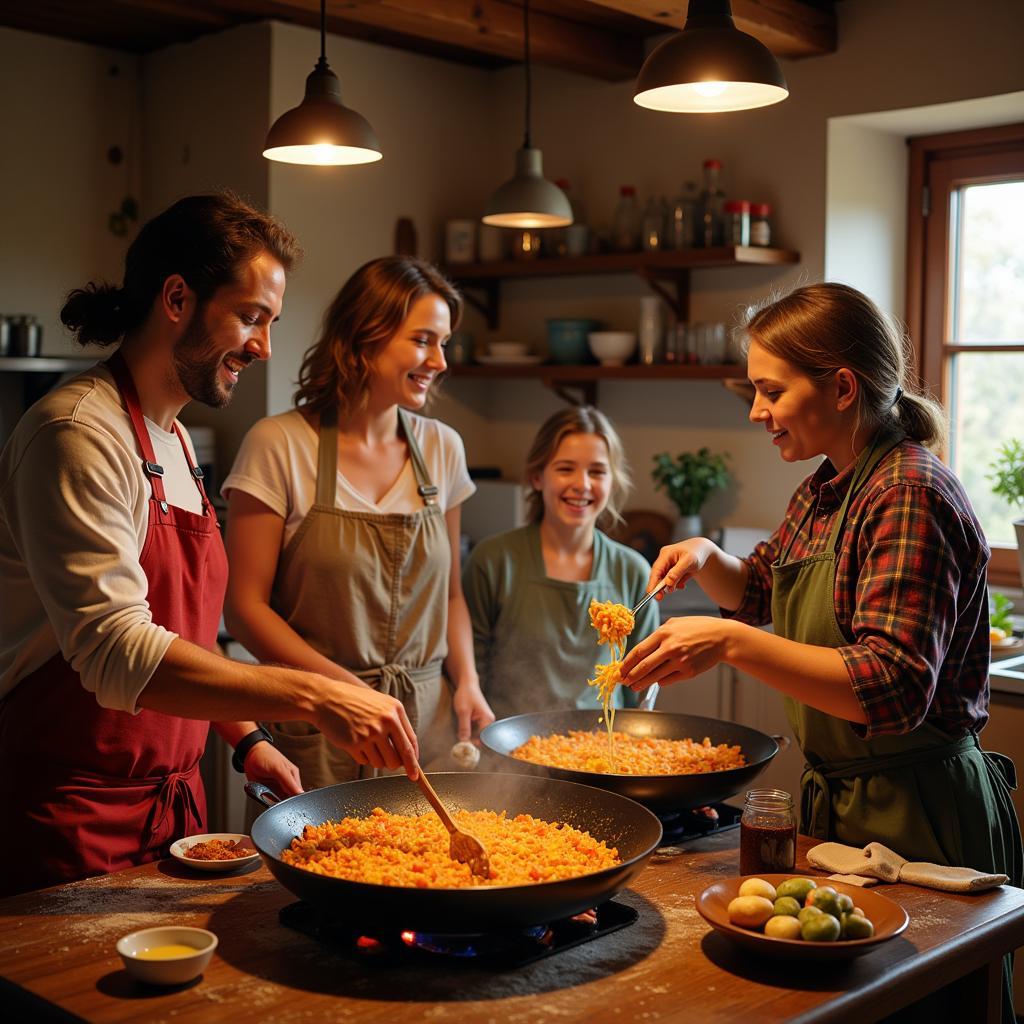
(697, 822)
(505, 947)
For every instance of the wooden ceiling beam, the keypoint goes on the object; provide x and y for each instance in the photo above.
(789, 28)
(493, 28)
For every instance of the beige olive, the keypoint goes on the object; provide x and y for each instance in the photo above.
(757, 887)
(750, 911)
(782, 927)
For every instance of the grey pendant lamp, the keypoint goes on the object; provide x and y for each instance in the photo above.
(527, 200)
(321, 129)
(710, 66)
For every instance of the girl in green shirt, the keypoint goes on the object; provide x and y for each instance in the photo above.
(529, 590)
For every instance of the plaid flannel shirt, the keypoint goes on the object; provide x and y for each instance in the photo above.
(910, 589)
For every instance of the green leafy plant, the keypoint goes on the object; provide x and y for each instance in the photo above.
(1008, 472)
(1000, 607)
(690, 477)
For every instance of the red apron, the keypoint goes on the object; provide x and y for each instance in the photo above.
(94, 790)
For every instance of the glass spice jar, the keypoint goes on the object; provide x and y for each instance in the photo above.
(760, 226)
(736, 222)
(767, 832)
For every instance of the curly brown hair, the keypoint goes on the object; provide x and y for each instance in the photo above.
(364, 316)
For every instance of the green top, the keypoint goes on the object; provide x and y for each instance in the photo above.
(535, 647)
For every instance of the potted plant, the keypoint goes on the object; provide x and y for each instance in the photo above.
(689, 479)
(1008, 482)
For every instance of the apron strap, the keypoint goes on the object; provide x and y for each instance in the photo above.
(401, 682)
(129, 393)
(327, 458)
(426, 489)
(816, 791)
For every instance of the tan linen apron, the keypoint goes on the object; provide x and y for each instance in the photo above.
(369, 591)
(925, 794)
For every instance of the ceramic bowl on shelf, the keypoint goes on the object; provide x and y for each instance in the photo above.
(167, 956)
(567, 339)
(612, 348)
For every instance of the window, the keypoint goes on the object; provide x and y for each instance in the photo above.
(965, 306)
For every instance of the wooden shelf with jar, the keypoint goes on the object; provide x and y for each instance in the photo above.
(667, 272)
(584, 379)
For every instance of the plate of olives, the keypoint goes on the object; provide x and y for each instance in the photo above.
(801, 917)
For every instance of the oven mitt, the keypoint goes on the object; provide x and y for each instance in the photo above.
(878, 862)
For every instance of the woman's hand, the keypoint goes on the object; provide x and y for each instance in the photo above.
(679, 563)
(471, 709)
(678, 649)
(265, 763)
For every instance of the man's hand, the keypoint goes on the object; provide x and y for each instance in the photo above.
(471, 708)
(265, 763)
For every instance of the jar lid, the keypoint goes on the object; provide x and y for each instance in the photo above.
(736, 206)
(760, 209)
(712, 162)
(627, 190)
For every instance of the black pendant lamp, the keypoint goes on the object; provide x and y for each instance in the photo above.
(527, 199)
(710, 66)
(321, 129)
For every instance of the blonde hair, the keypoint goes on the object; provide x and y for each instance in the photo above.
(578, 419)
(821, 328)
(362, 318)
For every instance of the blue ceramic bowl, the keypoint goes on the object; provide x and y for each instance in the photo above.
(567, 340)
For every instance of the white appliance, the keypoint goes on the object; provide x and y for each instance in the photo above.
(497, 506)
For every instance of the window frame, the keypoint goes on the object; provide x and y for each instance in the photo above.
(938, 165)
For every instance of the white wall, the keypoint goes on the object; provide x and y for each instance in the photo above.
(893, 55)
(64, 105)
(205, 106)
(434, 121)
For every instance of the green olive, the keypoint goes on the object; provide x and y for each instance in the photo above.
(807, 913)
(856, 927)
(827, 901)
(786, 906)
(845, 903)
(798, 888)
(820, 928)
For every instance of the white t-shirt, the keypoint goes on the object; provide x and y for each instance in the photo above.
(74, 509)
(277, 465)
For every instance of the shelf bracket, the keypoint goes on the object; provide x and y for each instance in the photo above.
(585, 391)
(489, 306)
(678, 298)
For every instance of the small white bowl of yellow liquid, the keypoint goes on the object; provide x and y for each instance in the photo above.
(167, 956)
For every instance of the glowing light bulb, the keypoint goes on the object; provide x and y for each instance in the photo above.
(710, 88)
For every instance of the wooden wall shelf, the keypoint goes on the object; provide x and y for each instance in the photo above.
(584, 379)
(668, 273)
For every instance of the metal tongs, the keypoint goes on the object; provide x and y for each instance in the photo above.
(651, 693)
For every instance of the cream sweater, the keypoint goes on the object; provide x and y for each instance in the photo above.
(74, 508)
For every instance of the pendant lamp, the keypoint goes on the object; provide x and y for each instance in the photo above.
(527, 200)
(321, 129)
(710, 66)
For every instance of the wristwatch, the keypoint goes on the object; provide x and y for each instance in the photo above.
(246, 743)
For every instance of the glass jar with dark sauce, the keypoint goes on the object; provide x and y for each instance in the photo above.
(767, 832)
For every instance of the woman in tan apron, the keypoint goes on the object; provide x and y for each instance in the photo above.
(344, 521)
(875, 585)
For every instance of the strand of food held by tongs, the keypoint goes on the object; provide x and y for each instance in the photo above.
(613, 622)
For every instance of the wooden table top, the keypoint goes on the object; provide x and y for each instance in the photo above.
(58, 945)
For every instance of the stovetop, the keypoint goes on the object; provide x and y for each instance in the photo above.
(506, 947)
(694, 823)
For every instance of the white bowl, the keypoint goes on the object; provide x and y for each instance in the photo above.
(179, 847)
(174, 970)
(612, 348)
(508, 349)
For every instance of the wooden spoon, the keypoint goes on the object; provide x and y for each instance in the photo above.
(463, 847)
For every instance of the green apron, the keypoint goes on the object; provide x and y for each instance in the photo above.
(927, 795)
(369, 591)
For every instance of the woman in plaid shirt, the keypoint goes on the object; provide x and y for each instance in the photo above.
(875, 584)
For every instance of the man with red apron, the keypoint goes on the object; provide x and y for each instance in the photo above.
(113, 572)
(111, 789)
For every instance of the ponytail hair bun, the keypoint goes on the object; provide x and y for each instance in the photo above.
(95, 314)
